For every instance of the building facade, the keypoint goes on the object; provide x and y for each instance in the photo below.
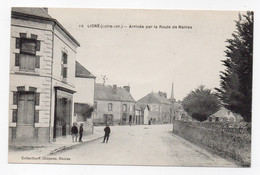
(42, 77)
(158, 107)
(224, 115)
(84, 97)
(113, 105)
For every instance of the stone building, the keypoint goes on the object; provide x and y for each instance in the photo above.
(224, 115)
(138, 119)
(159, 107)
(114, 105)
(42, 77)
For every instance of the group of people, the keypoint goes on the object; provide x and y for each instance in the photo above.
(75, 131)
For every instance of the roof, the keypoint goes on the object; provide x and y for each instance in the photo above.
(177, 106)
(103, 92)
(82, 72)
(39, 13)
(223, 112)
(137, 108)
(152, 98)
(141, 106)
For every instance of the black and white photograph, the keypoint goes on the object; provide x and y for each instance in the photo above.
(130, 87)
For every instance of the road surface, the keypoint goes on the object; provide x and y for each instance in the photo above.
(143, 145)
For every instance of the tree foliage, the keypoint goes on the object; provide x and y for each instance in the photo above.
(201, 103)
(235, 89)
(84, 109)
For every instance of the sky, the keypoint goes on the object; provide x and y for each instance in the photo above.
(151, 59)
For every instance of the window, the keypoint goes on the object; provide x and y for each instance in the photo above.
(64, 72)
(28, 46)
(27, 59)
(124, 107)
(110, 106)
(27, 63)
(64, 68)
(64, 58)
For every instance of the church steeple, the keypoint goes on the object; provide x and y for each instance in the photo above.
(172, 99)
(172, 93)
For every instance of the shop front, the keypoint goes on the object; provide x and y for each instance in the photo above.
(62, 112)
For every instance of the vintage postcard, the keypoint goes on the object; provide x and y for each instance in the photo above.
(130, 87)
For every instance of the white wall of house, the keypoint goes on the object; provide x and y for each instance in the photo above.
(84, 90)
(63, 44)
(146, 114)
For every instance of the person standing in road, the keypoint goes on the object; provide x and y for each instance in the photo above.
(74, 132)
(107, 132)
(80, 132)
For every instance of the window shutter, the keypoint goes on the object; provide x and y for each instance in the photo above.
(38, 45)
(15, 98)
(37, 99)
(14, 116)
(34, 36)
(23, 35)
(37, 62)
(17, 57)
(36, 116)
(17, 43)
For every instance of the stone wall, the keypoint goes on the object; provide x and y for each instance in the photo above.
(229, 140)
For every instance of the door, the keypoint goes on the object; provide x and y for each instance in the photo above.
(25, 117)
(130, 119)
(63, 112)
(105, 119)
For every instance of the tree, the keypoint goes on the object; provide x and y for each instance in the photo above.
(84, 109)
(201, 103)
(235, 90)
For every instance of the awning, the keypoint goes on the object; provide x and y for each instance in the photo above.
(64, 89)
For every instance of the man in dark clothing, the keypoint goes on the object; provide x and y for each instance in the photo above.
(80, 132)
(74, 132)
(107, 132)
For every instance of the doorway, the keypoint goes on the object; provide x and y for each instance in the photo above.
(25, 116)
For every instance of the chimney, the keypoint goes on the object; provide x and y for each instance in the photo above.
(127, 88)
(165, 94)
(46, 9)
(114, 90)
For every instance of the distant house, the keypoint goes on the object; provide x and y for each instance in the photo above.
(138, 119)
(177, 111)
(144, 113)
(113, 105)
(159, 107)
(224, 115)
(84, 96)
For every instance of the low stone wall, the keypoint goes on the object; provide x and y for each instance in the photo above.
(229, 140)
